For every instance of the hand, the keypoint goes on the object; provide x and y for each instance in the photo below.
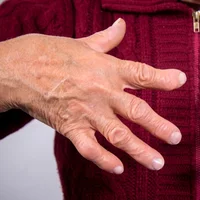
(74, 87)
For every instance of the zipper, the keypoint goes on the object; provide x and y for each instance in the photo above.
(196, 21)
(196, 26)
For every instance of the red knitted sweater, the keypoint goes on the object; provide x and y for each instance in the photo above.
(159, 33)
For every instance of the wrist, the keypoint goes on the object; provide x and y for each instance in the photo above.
(7, 83)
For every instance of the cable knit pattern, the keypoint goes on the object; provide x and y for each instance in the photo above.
(159, 33)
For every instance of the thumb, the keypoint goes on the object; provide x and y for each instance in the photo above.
(106, 40)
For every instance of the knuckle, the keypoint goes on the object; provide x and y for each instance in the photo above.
(67, 130)
(139, 110)
(139, 151)
(88, 151)
(64, 132)
(103, 35)
(145, 74)
(99, 159)
(84, 43)
(159, 128)
(124, 64)
(124, 67)
(108, 127)
(118, 136)
(167, 83)
(122, 139)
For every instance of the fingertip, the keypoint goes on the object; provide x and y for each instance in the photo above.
(174, 80)
(158, 163)
(118, 170)
(175, 138)
(118, 22)
(117, 29)
(113, 165)
(182, 78)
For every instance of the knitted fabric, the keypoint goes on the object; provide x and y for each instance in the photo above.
(159, 33)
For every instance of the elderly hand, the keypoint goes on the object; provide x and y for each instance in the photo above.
(74, 87)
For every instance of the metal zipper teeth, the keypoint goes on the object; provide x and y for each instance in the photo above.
(196, 21)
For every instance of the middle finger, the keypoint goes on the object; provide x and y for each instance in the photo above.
(138, 111)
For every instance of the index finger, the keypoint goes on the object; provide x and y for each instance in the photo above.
(138, 75)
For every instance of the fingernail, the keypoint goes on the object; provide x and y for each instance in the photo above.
(157, 163)
(175, 138)
(113, 30)
(118, 170)
(117, 22)
(182, 78)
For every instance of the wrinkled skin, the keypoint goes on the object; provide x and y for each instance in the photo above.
(75, 87)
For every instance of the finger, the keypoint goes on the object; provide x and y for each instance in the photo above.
(121, 137)
(138, 111)
(89, 148)
(106, 40)
(139, 75)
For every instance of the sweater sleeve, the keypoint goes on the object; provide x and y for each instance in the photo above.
(12, 121)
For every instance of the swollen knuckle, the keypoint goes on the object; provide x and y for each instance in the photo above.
(145, 74)
(108, 127)
(119, 136)
(139, 110)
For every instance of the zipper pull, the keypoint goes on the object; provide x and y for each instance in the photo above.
(196, 20)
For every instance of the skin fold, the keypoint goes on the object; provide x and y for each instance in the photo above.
(76, 88)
